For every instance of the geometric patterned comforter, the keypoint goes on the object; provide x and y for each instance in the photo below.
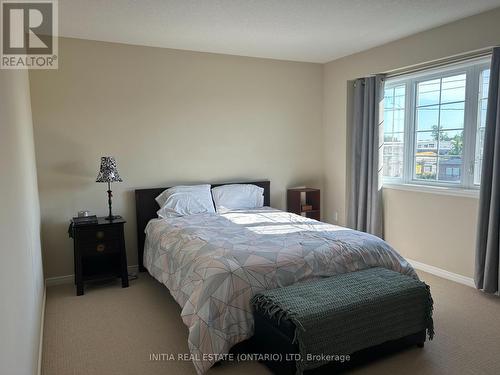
(213, 264)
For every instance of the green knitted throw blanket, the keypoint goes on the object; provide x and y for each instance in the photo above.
(342, 314)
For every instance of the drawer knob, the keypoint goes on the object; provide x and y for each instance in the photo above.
(100, 248)
(100, 234)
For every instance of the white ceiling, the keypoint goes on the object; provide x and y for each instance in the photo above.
(301, 30)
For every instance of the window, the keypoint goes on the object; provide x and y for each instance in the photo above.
(434, 126)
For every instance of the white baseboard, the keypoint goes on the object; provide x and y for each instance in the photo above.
(69, 279)
(442, 273)
(42, 323)
(58, 280)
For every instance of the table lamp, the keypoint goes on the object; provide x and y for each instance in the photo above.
(109, 173)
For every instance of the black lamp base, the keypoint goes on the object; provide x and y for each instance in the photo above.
(114, 217)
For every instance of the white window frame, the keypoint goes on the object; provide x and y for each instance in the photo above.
(472, 68)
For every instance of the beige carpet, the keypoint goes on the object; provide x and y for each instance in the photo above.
(111, 330)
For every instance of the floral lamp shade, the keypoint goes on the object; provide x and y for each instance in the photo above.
(108, 171)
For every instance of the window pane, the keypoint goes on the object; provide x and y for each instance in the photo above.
(388, 120)
(394, 137)
(427, 117)
(481, 123)
(393, 155)
(451, 142)
(452, 116)
(389, 99)
(450, 168)
(399, 120)
(480, 144)
(394, 119)
(485, 82)
(426, 143)
(425, 168)
(483, 104)
(453, 89)
(399, 97)
(478, 164)
(440, 116)
(428, 92)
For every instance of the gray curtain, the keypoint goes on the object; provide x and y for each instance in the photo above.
(487, 267)
(365, 197)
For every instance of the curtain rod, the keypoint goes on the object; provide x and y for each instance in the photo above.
(440, 62)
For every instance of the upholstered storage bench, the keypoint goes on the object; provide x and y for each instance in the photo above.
(339, 321)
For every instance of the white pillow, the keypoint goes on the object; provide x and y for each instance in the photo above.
(237, 196)
(185, 200)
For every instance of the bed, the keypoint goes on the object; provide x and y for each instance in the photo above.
(213, 264)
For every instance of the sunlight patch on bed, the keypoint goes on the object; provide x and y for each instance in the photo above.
(292, 228)
(272, 222)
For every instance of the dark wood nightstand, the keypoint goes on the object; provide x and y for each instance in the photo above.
(305, 202)
(99, 251)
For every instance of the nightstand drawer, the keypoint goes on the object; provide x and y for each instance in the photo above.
(100, 247)
(99, 234)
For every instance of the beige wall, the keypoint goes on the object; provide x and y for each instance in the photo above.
(168, 117)
(21, 278)
(437, 230)
(429, 228)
